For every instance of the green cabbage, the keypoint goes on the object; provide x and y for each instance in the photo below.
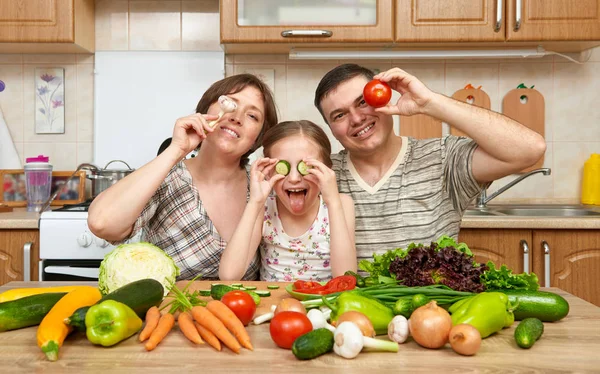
(130, 262)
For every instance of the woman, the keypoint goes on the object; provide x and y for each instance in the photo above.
(190, 208)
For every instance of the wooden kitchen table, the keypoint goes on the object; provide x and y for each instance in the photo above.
(571, 345)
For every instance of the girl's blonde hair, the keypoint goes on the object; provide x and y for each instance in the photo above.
(303, 128)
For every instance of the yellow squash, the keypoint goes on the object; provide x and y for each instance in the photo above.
(18, 293)
(52, 330)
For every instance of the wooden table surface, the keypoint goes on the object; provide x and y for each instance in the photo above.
(570, 345)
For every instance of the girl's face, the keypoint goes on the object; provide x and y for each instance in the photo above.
(298, 193)
(236, 132)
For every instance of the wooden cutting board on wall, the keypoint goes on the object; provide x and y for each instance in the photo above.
(526, 106)
(420, 126)
(473, 96)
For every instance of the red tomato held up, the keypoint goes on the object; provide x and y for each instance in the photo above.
(377, 93)
(287, 327)
(241, 304)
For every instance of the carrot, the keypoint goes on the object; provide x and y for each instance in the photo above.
(152, 317)
(231, 321)
(165, 324)
(204, 317)
(208, 336)
(186, 325)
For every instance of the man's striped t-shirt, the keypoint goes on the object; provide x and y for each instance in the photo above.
(421, 197)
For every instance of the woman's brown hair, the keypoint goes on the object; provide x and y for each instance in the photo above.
(302, 128)
(235, 84)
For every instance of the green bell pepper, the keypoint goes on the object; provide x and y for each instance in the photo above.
(110, 322)
(488, 312)
(378, 313)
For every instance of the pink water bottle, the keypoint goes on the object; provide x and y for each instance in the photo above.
(38, 181)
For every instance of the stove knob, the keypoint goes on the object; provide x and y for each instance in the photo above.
(84, 239)
(101, 243)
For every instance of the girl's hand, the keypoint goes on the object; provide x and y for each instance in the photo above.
(190, 131)
(325, 179)
(262, 179)
(415, 95)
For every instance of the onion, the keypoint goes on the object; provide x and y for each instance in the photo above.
(465, 339)
(360, 320)
(430, 325)
(291, 305)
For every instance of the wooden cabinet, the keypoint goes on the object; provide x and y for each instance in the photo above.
(539, 20)
(51, 26)
(18, 248)
(567, 259)
(449, 20)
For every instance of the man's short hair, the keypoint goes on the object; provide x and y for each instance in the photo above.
(334, 78)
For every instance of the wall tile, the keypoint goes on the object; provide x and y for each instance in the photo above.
(112, 25)
(576, 98)
(50, 59)
(155, 25)
(85, 102)
(85, 59)
(11, 99)
(62, 155)
(275, 77)
(200, 30)
(485, 75)
(11, 59)
(569, 158)
(85, 152)
(537, 74)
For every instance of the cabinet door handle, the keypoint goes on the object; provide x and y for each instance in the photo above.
(518, 7)
(499, 11)
(546, 263)
(316, 33)
(525, 247)
(27, 261)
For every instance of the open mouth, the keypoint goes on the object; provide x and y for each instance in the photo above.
(297, 198)
(365, 130)
(230, 132)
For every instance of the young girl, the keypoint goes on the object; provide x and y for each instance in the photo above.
(307, 229)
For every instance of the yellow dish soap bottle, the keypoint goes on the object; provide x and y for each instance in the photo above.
(590, 187)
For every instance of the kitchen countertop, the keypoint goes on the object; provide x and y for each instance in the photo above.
(571, 344)
(19, 218)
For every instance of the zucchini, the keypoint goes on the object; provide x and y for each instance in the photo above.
(302, 168)
(273, 287)
(27, 311)
(313, 344)
(250, 288)
(140, 296)
(283, 167)
(528, 332)
(545, 306)
(17, 293)
(263, 293)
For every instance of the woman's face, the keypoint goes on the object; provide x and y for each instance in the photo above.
(236, 132)
(298, 193)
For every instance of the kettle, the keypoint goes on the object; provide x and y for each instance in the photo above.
(590, 186)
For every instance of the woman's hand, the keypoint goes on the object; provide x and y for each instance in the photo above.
(190, 131)
(262, 179)
(415, 95)
(325, 179)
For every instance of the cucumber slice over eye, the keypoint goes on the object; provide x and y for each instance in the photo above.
(283, 167)
(302, 168)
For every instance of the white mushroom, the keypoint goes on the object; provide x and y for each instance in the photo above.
(227, 106)
(398, 329)
(349, 341)
(319, 320)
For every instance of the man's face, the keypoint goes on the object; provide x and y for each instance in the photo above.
(353, 122)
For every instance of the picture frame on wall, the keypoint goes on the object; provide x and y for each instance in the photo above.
(13, 189)
(49, 100)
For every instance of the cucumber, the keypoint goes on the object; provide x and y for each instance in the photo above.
(255, 296)
(403, 307)
(250, 288)
(528, 332)
(283, 167)
(302, 168)
(204, 292)
(237, 285)
(313, 344)
(545, 306)
(273, 287)
(140, 296)
(263, 293)
(27, 311)
(218, 290)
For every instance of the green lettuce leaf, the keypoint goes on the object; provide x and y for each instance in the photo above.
(504, 279)
(447, 241)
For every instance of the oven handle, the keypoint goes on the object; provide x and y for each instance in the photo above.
(78, 272)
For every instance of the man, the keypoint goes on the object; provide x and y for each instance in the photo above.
(407, 190)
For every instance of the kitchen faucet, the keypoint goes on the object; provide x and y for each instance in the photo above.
(483, 199)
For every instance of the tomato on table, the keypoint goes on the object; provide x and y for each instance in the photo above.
(377, 93)
(241, 304)
(287, 326)
(308, 287)
(341, 283)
